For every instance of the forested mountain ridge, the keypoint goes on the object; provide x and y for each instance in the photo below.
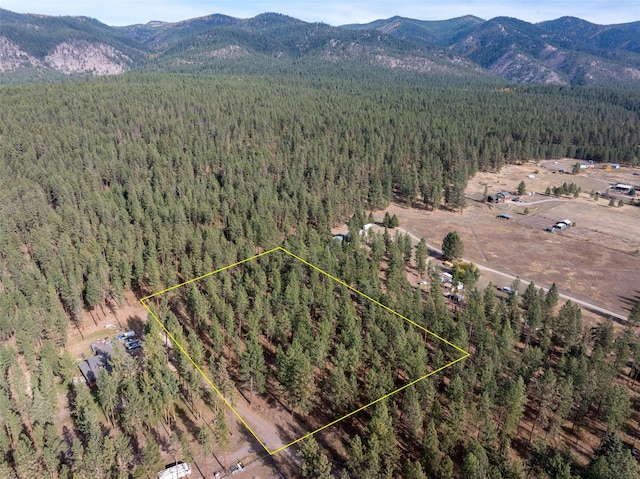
(38, 46)
(563, 51)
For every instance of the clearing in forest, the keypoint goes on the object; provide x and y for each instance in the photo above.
(304, 341)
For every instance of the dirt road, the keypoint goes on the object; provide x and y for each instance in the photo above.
(509, 278)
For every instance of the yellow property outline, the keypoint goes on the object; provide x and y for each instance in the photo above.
(465, 354)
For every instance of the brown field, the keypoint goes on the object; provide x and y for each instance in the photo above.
(598, 261)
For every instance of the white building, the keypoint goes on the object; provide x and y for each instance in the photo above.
(177, 471)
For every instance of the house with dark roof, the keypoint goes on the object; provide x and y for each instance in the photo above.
(91, 367)
(499, 197)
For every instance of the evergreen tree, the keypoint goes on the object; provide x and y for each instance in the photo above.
(253, 368)
(222, 434)
(431, 454)
(475, 464)
(25, 459)
(380, 431)
(522, 188)
(357, 461)
(612, 460)
(151, 458)
(447, 469)
(315, 464)
(296, 375)
(514, 402)
(616, 408)
(206, 442)
(452, 247)
(421, 253)
(107, 393)
(634, 314)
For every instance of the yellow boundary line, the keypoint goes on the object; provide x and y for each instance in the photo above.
(204, 375)
(144, 300)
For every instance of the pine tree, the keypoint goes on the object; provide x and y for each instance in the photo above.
(206, 442)
(431, 454)
(222, 434)
(357, 460)
(107, 393)
(296, 375)
(412, 412)
(315, 464)
(514, 402)
(522, 188)
(616, 408)
(25, 459)
(452, 247)
(151, 458)
(253, 368)
(612, 460)
(634, 314)
(381, 428)
(447, 469)
(421, 253)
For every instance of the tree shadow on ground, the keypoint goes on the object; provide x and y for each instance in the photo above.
(136, 324)
(185, 416)
(272, 398)
(630, 300)
(160, 439)
(254, 445)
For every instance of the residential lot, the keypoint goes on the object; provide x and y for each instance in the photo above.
(598, 260)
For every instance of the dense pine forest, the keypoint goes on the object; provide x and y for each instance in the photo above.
(139, 182)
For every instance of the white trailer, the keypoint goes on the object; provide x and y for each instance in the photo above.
(177, 471)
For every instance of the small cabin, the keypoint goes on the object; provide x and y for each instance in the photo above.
(499, 197)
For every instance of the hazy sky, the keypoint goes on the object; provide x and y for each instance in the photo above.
(333, 12)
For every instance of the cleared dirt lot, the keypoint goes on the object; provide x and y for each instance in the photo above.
(597, 261)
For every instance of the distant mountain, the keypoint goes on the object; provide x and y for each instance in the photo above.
(428, 33)
(563, 51)
(605, 39)
(43, 45)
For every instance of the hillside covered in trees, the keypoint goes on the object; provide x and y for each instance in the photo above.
(140, 182)
(566, 51)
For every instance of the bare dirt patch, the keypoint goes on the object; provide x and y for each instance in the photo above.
(106, 322)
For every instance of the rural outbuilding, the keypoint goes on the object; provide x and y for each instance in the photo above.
(622, 188)
(499, 197)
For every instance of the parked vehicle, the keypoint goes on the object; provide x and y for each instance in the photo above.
(175, 471)
(133, 345)
(454, 297)
(128, 334)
